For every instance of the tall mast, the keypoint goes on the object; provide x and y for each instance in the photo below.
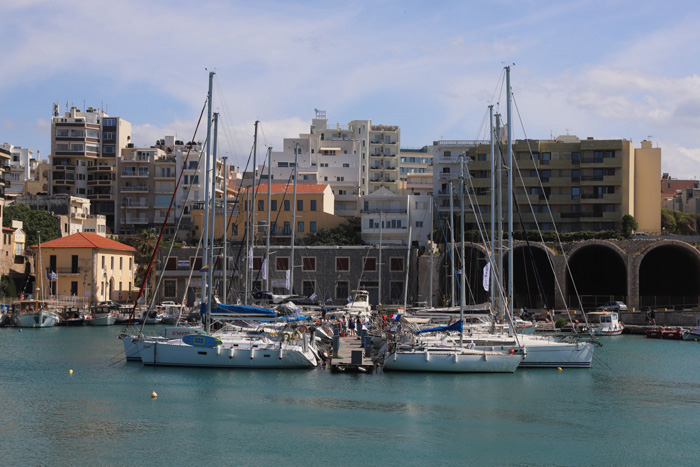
(205, 253)
(379, 260)
(432, 227)
(212, 212)
(509, 166)
(452, 245)
(408, 263)
(294, 217)
(251, 269)
(499, 183)
(225, 230)
(40, 295)
(269, 198)
(462, 281)
(493, 205)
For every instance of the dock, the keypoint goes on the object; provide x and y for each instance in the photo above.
(350, 357)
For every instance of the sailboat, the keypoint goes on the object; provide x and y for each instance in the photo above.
(227, 348)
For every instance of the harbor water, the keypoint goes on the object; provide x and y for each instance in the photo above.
(637, 405)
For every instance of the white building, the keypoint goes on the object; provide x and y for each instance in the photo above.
(21, 169)
(390, 215)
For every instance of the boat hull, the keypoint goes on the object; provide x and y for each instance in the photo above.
(37, 319)
(102, 321)
(452, 361)
(177, 353)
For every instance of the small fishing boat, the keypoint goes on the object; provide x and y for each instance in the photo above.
(693, 334)
(33, 314)
(605, 323)
(104, 314)
(663, 333)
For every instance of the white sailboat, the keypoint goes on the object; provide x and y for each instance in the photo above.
(224, 349)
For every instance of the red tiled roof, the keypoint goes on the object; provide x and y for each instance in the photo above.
(282, 187)
(86, 240)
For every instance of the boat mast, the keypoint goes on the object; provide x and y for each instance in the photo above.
(432, 227)
(294, 217)
(379, 261)
(212, 210)
(408, 263)
(251, 226)
(462, 281)
(452, 244)
(509, 168)
(499, 249)
(269, 198)
(492, 271)
(40, 295)
(205, 252)
(225, 230)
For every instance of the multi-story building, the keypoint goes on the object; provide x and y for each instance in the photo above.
(354, 159)
(565, 183)
(87, 266)
(5, 157)
(416, 171)
(72, 212)
(22, 167)
(680, 195)
(38, 183)
(389, 216)
(12, 261)
(147, 178)
(314, 211)
(84, 150)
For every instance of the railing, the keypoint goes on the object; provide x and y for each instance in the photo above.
(134, 188)
(60, 271)
(384, 211)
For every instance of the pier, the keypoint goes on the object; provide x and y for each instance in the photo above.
(350, 356)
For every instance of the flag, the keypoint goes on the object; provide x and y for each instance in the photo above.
(487, 276)
(287, 285)
(349, 298)
(204, 268)
(264, 269)
(313, 296)
(395, 317)
(48, 275)
(459, 272)
(54, 276)
(250, 258)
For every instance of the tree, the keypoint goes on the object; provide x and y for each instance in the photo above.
(629, 225)
(33, 221)
(668, 221)
(344, 234)
(144, 243)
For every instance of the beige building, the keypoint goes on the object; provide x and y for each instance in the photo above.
(314, 211)
(565, 183)
(84, 150)
(85, 265)
(13, 243)
(72, 212)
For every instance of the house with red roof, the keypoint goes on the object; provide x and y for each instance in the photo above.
(87, 266)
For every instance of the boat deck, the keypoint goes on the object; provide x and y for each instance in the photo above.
(351, 357)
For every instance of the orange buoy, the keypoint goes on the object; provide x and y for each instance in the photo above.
(154, 395)
(559, 368)
(70, 372)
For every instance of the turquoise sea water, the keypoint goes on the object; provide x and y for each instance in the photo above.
(638, 405)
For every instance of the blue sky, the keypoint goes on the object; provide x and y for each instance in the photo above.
(604, 69)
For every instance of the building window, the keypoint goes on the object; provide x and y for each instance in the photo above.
(308, 263)
(575, 193)
(287, 204)
(300, 205)
(481, 157)
(342, 264)
(282, 263)
(261, 205)
(396, 264)
(300, 226)
(273, 205)
(169, 288)
(546, 157)
(308, 287)
(370, 264)
(287, 230)
(313, 204)
(419, 223)
(342, 290)
(312, 226)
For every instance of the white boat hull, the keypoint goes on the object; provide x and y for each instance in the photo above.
(37, 319)
(452, 361)
(102, 321)
(227, 355)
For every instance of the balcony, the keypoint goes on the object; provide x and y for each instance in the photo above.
(132, 205)
(100, 168)
(134, 220)
(67, 271)
(135, 189)
(135, 174)
(101, 196)
(100, 183)
(64, 168)
(62, 182)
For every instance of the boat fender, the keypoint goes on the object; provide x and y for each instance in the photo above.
(303, 329)
(297, 335)
(273, 334)
(286, 337)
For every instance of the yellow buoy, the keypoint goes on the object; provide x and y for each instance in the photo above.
(154, 395)
(70, 372)
(559, 368)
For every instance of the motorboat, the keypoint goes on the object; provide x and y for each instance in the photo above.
(665, 333)
(103, 314)
(72, 316)
(692, 334)
(34, 314)
(604, 323)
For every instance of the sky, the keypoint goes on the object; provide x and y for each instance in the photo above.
(602, 69)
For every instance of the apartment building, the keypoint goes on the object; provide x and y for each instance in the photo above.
(564, 183)
(146, 180)
(85, 146)
(5, 157)
(72, 212)
(416, 170)
(390, 216)
(22, 168)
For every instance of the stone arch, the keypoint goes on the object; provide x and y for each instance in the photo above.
(668, 275)
(527, 276)
(597, 276)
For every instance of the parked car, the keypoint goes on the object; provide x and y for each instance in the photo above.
(640, 235)
(613, 306)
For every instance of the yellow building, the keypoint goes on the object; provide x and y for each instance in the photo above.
(87, 266)
(314, 211)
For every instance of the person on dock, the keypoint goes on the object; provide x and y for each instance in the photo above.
(351, 326)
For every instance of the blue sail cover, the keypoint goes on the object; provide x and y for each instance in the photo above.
(452, 327)
(239, 310)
